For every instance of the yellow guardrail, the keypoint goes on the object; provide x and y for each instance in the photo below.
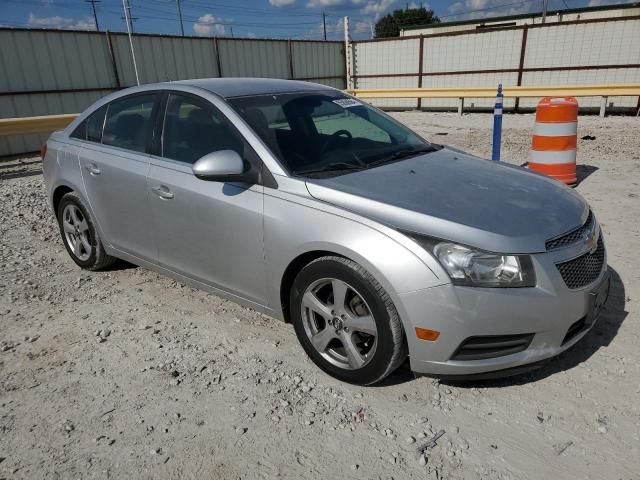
(481, 92)
(47, 123)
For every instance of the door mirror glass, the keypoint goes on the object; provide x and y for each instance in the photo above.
(221, 166)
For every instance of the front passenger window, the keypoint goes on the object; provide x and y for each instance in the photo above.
(129, 122)
(193, 128)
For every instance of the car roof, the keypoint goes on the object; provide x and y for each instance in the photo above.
(239, 87)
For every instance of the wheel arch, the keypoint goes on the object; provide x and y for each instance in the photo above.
(59, 192)
(291, 272)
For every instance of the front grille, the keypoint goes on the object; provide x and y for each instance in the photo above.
(583, 270)
(491, 346)
(571, 237)
(575, 329)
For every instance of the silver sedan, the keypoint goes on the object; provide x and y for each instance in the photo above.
(313, 207)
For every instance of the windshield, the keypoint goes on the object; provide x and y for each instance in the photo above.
(327, 133)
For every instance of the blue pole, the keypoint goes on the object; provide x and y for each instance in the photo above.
(497, 125)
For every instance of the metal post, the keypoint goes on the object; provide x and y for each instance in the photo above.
(497, 125)
(523, 50)
(460, 105)
(347, 54)
(127, 16)
(218, 61)
(112, 57)
(179, 7)
(545, 4)
(603, 106)
(290, 58)
(420, 68)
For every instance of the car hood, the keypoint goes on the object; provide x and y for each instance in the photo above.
(452, 195)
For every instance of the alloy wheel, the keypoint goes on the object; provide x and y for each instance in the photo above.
(339, 323)
(76, 232)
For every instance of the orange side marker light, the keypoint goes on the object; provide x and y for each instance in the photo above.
(426, 334)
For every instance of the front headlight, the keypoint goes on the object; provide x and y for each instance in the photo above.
(476, 268)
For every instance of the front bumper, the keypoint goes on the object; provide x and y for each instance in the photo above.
(547, 312)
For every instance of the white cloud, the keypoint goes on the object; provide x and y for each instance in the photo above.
(456, 8)
(282, 3)
(377, 7)
(208, 26)
(479, 9)
(251, 35)
(419, 5)
(362, 26)
(323, 3)
(61, 22)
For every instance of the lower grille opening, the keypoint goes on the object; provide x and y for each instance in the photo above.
(491, 346)
(575, 329)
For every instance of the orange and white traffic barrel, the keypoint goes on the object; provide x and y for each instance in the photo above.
(555, 136)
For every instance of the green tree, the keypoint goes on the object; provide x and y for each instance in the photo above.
(391, 23)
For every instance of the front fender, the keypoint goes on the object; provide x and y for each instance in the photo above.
(294, 226)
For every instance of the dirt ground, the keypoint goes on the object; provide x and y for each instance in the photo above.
(127, 374)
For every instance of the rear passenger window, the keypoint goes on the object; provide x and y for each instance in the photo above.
(91, 128)
(129, 122)
(193, 128)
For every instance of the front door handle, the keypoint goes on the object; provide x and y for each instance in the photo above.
(93, 169)
(162, 191)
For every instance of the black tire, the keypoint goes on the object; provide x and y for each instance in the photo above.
(391, 349)
(98, 258)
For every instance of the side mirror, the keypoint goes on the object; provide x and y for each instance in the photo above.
(223, 166)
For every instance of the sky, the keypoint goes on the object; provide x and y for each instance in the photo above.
(255, 18)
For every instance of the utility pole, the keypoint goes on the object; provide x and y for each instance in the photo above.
(324, 24)
(179, 7)
(231, 28)
(95, 15)
(545, 3)
(127, 16)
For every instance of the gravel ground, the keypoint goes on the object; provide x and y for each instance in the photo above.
(127, 374)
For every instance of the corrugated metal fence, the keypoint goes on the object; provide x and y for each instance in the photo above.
(46, 72)
(601, 51)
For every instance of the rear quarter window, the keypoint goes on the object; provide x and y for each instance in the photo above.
(91, 128)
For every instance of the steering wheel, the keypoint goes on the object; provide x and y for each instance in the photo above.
(334, 138)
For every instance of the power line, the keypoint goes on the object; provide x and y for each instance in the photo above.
(496, 7)
(158, 10)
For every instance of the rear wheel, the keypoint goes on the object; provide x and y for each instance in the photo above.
(346, 322)
(79, 234)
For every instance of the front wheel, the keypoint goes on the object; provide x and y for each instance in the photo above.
(346, 322)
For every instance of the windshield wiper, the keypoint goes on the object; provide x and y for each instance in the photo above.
(332, 167)
(404, 153)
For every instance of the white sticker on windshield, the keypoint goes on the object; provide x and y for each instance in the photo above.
(347, 102)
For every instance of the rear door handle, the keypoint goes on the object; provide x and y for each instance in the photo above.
(93, 169)
(162, 191)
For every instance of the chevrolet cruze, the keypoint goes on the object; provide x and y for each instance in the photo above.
(305, 203)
